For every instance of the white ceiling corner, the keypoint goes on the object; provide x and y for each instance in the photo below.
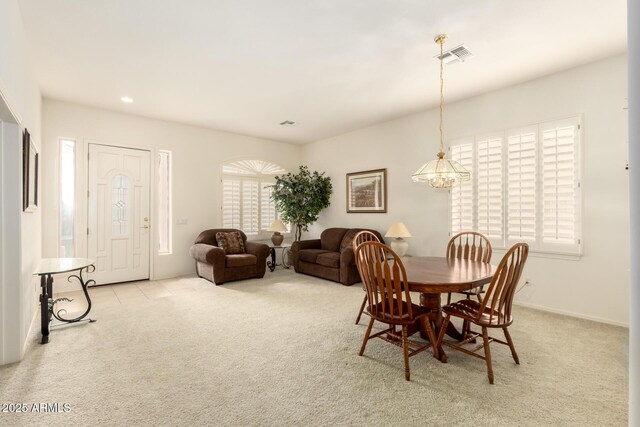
(333, 66)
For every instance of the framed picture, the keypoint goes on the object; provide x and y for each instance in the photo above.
(29, 173)
(367, 191)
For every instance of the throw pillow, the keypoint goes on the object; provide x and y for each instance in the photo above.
(231, 242)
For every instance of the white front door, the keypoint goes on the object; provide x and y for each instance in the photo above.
(119, 213)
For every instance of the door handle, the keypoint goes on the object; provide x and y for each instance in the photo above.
(145, 226)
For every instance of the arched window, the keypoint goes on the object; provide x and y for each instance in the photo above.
(246, 196)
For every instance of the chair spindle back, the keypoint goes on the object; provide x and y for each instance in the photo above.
(469, 245)
(385, 281)
(499, 297)
(364, 236)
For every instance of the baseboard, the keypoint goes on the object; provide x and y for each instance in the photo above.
(571, 314)
(176, 276)
(26, 341)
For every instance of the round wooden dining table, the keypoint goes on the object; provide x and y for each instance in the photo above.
(434, 276)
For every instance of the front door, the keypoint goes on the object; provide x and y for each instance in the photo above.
(119, 213)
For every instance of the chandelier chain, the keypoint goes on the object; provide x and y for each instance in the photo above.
(441, 172)
(441, 42)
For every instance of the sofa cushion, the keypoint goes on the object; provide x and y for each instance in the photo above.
(208, 237)
(331, 238)
(231, 242)
(310, 255)
(329, 259)
(240, 260)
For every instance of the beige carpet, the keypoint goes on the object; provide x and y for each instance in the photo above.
(284, 351)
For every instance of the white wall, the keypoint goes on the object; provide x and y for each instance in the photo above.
(633, 25)
(197, 154)
(595, 286)
(20, 91)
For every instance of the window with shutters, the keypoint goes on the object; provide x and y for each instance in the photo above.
(462, 195)
(164, 202)
(267, 206)
(246, 196)
(525, 187)
(560, 184)
(489, 191)
(521, 184)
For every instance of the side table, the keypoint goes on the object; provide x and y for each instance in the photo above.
(272, 249)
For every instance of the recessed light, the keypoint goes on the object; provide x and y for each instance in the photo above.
(289, 123)
(126, 99)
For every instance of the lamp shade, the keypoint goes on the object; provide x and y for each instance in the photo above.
(398, 230)
(277, 225)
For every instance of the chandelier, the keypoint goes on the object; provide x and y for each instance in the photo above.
(441, 172)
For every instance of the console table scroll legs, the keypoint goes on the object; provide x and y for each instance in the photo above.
(50, 286)
(46, 269)
(272, 264)
(45, 314)
(84, 285)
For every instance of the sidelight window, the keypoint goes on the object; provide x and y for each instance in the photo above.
(67, 194)
(164, 202)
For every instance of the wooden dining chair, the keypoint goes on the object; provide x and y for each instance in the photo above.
(389, 300)
(493, 312)
(361, 237)
(473, 246)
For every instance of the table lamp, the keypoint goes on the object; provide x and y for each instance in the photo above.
(277, 227)
(399, 245)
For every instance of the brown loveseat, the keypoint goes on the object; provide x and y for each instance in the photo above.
(329, 257)
(214, 265)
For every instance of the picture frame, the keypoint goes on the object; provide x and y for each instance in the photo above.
(30, 159)
(367, 191)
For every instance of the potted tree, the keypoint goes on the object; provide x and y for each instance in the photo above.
(300, 197)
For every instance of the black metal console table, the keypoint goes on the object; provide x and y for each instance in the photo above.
(46, 269)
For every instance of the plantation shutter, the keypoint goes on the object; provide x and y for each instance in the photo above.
(521, 185)
(525, 187)
(246, 196)
(462, 194)
(559, 183)
(250, 206)
(267, 205)
(231, 203)
(489, 189)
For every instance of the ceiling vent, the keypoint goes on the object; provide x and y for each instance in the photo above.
(288, 123)
(457, 54)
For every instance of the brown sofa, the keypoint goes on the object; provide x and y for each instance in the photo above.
(214, 265)
(329, 257)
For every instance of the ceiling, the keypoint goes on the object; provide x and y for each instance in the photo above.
(334, 66)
